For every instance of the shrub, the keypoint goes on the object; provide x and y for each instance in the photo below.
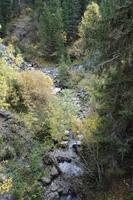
(31, 90)
(64, 76)
(6, 74)
(63, 114)
(36, 87)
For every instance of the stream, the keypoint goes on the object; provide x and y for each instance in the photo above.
(66, 168)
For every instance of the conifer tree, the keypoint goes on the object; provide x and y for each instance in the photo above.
(71, 17)
(51, 29)
(5, 14)
(15, 8)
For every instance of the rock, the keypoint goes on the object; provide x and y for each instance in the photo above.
(52, 72)
(76, 144)
(54, 172)
(46, 181)
(69, 197)
(48, 160)
(64, 144)
(56, 90)
(3, 48)
(5, 114)
(6, 197)
(61, 159)
(54, 187)
(80, 137)
(3, 177)
(66, 132)
(52, 196)
(79, 143)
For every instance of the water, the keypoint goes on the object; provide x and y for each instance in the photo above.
(71, 169)
(74, 168)
(69, 165)
(69, 197)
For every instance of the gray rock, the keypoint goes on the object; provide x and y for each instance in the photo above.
(54, 187)
(52, 196)
(5, 114)
(3, 48)
(46, 181)
(67, 133)
(80, 137)
(56, 90)
(77, 144)
(6, 197)
(54, 172)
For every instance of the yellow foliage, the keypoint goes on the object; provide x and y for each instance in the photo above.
(36, 87)
(91, 17)
(18, 59)
(6, 185)
(90, 125)
(6, 74)
(14, 39)
(77, 124)
(11, 51)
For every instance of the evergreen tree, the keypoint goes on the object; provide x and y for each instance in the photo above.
(51, 29)
(15, 8)
(8, 10)
(109, 7)
(71, 17)
(5, 14)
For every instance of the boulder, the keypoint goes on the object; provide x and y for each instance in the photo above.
(6, 197)
(45, 181)
(54, 172)
(80, 137)
(52, 196)
(54, 187)
(67, 132)
(76, 144)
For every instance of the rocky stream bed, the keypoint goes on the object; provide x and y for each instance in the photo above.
(63, 165)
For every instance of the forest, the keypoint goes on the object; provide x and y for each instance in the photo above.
(66, 100)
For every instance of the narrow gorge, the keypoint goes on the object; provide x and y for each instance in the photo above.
(66, 100)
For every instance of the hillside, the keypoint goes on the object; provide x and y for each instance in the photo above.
(66, 100)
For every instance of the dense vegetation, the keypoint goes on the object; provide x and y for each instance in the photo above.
(37, 125)
(67, 32)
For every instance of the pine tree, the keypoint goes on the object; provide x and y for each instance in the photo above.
(5, 14)
(109, 7)
(51, 29)
(71, 17)
(15, 8)
(8, 10)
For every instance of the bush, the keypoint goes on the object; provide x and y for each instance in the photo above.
(6, 75)
(36, 87)
(64, 76)
(31, 90)
(64, 113)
